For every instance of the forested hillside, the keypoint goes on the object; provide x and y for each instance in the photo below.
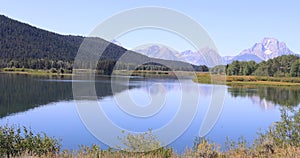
(19, 40)
(22, 45)
(25, 46)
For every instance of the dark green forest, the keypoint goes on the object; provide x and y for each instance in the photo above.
(283, 66)
(22, 45)
(25, 46)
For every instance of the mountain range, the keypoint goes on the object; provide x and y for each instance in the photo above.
(22, 42)
(267, 48)
(205, 56)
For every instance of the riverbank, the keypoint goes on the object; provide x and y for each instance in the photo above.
(155, 73)
(201, 77)
(246, 80)
(51, 72)
(141, 73)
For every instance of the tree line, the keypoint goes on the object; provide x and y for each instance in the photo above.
(283, 66)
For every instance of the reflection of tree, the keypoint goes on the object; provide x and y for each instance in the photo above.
(20, 92)
(284, 96)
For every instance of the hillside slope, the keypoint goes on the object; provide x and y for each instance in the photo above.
(22, 45)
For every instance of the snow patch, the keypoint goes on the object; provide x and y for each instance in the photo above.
(268, 52)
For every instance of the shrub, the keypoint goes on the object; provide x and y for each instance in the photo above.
(202, 148)
(286, 131)
(21, 141)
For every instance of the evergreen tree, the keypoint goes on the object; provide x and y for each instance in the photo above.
(295, 69)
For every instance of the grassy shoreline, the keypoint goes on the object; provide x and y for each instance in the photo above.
(149, 73)
(33, 72)
(246, 80)
(142, 73)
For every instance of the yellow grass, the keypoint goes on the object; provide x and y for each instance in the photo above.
(246, 80)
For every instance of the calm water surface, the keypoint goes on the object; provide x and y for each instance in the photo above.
(46, 104)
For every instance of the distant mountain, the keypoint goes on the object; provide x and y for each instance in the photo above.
(159, 51)
(268, 48)
(205, 56)
(243, 57)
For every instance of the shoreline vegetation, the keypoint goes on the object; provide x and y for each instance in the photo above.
(208, 78)
(142, 73)
(35, 71)
(280, 71)
(201, 77)
(282, 139)
(149, 73)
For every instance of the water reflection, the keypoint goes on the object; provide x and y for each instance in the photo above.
(54, 111)
(19, 93)
(268, 97)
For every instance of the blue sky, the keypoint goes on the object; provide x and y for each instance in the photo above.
(233, 25)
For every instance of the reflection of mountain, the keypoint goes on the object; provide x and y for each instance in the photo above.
(20, 92)
(187, 86)
(268, 97)
(264, 104)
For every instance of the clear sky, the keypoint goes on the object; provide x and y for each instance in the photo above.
(233, 25)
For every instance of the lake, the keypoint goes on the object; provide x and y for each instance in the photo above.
(46, 104)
